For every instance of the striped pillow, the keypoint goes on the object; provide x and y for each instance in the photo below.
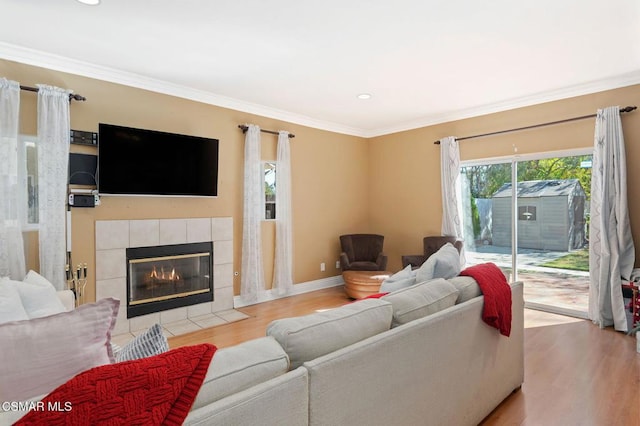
(151, 342)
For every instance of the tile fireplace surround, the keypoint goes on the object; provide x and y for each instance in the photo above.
(113, 237)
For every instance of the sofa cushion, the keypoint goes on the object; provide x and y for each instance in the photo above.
(421, 300)
(445, 263)
(467, 286)
(11, 308)
(39, 297)
(307, 337)
(151, 342)
(39, 354)
(240, 367)
(404, 278)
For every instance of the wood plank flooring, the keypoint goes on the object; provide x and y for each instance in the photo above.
(575, 373)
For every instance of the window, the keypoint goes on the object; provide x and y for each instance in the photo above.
(28, 178)
(270, 190)
(527, 213)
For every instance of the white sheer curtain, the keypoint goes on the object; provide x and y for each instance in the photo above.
(611, 249)
(283, 268)
(451, 189)
(252, 279)
(12, 263)
(53, 161)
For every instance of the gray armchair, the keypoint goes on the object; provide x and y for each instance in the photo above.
(362, 252)
(431, 245)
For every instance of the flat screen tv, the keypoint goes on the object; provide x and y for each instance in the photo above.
(148, 162)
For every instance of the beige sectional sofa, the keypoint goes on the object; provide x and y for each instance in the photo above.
(419, 356)
(446, 368)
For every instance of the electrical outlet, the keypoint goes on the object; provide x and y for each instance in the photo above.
(337, 264)
(322, 267)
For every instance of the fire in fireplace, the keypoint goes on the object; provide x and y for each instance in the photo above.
(168, 277)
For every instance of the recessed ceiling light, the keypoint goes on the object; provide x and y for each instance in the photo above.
(364, 96)
(90, 2)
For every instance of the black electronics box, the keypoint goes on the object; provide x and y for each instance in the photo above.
(84, 138)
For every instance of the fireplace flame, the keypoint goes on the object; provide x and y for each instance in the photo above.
(162, 275)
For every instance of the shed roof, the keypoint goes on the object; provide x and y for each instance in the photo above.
(541, 188)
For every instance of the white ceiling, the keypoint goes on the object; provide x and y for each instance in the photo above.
(424, 61)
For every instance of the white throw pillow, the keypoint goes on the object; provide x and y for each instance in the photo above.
(11, 308)
(404, 278)
(38, 295)
(445, 263)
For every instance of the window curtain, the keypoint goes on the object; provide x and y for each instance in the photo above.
(12, 262)
(252, 279)
(53, 161)
(283, 269)
(450, 171)
(611, 249)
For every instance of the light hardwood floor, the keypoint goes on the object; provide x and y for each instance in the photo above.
(575, 373)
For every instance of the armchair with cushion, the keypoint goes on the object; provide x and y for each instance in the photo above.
(362, 252)
(431, 245)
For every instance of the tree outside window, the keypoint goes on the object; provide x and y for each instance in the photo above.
(270, 190)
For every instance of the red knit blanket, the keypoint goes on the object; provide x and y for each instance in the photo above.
(497, 295)
(158, 390)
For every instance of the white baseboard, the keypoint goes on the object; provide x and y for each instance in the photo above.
(268, 295)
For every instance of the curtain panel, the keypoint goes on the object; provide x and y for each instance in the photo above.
(53, 162)
(12, 260)
(450, 172)
(283, 262)
(611, 248)
(252, 278)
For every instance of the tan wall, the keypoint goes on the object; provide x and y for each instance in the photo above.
(341, 184)
(329, 171)
(407, 205)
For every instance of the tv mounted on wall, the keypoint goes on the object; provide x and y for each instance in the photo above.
(148, 162)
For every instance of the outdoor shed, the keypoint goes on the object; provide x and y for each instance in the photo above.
(550, 215)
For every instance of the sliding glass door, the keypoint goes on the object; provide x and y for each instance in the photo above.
(539, 206)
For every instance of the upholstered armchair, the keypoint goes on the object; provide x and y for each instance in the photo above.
(362, 252)
(431, 245)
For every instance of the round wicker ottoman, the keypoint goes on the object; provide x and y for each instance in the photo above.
(359, 284)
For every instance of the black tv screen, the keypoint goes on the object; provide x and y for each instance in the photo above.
(148, 162)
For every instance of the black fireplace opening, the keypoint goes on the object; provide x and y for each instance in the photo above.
(168, 277)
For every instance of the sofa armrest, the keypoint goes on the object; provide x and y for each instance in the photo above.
(381, 261)
(68, 299)
(344, 261)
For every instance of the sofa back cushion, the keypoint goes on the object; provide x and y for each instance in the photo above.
(467, 286)
(240, 367)
(307, 337)
(420, 300)
(40, 354)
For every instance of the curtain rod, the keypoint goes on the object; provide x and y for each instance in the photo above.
(245, 128)
(625, 109)
(72, 96)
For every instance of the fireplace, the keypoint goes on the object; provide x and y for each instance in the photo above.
(167, 277)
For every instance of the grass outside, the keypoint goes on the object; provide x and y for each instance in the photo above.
(575, 261)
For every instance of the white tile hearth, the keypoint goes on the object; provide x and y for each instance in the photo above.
(177, 328)
(113, 237)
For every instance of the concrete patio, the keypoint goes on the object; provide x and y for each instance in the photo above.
(562, 289)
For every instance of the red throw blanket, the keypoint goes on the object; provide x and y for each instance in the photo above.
(497, 295)
(158, 390)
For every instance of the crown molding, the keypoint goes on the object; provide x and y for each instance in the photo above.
(615, 82)
(63, 64)
(72, 66)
